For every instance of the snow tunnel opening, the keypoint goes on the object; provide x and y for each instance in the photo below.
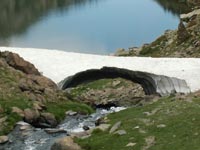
(144, 79)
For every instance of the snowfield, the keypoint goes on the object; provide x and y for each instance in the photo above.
(58, 65)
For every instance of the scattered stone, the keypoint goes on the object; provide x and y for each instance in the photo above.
(71, 113)
(121, 132)
(3, 139)
(131, 144)
(161, 126)
(136, 127)
(25, 127)
(86, 128)
(102, 120)
(53, 131)
(103, 127)
(116, 83)
(22, 123)
(65, 143)
(153, 112)
(81, 134)
(147, 122)
(142, 131)
(115, 127)
(150, 141)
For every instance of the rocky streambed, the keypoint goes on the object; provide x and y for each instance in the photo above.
(27, 137)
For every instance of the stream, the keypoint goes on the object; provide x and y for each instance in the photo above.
(26, 137)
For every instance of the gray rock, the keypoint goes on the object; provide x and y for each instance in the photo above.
(103, 127)
(71, 113)
(86, 128)
(49, 119)
(130, 144)
(52, 131)
(25, 127)
(121, 132)
(31, 115)
(3, 139)
(150, 141)
(161, 126)
(65, 143)
(115, 127)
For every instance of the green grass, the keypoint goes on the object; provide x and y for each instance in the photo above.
(97, 85)
(12, 96)
(182, 131)
(7, 104)
(59, 109)
(153, 49)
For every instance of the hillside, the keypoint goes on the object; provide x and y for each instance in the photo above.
(170, 123)
(27, 95)
(183, 42)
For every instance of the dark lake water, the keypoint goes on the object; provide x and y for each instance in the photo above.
(88, 26)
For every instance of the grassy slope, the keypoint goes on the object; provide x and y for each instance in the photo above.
(11, 96)
(97, 85)
(182, 131)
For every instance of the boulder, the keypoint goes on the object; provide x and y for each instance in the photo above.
(3, 139)
(65, 143)
(17, 62)
(31, 116)
(49, 119)
(43, 81)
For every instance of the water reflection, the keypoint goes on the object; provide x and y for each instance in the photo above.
(176, 7)
(82, 24)
(17, 15)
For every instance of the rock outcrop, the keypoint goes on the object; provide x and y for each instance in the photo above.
(183, 42)
(17, 62)
(25, 92)
(182, 33)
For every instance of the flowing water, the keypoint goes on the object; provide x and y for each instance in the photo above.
(87, 26)
(37, 139)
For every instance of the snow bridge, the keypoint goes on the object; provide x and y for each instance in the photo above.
(156, 75)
